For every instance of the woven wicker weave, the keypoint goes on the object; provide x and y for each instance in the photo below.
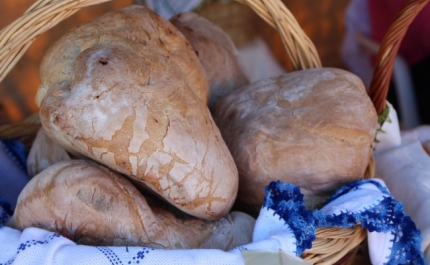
(331, 244)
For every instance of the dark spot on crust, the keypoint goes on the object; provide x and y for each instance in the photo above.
(156, 120)
(197, 53)
(103, 61)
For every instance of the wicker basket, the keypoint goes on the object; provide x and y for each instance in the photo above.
(332, 245)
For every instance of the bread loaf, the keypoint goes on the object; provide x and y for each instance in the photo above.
(92, 205)
(135, 24)
(313, 128)
(128, 91)
(216, 52)
(44, 152)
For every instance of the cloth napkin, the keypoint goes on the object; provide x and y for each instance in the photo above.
(405, 167)
(284, 225)
(420, 134)
(406, 170)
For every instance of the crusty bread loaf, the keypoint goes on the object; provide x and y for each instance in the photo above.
(128, 91)
(44, 152)
(135, 24)
(92, 205)
(313, 128)
(216, 52)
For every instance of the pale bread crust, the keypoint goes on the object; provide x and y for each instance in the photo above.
(44, 152)
(216, 52)
(123, 90)
(134, 23)
(92, 205)
(313, 128)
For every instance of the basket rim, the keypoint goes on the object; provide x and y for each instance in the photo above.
(16, 38)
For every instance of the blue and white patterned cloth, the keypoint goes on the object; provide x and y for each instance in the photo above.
(406, 171)
(283, 225)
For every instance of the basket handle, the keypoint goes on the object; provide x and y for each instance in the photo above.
(44, 14)
(387, 53)
(300, 49)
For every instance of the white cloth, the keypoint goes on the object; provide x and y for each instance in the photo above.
(38, 246)
(271, 234)
(420, 133)
(405, 167)
(406, 170)
(389, 137)
(357, 201)
(267, 226)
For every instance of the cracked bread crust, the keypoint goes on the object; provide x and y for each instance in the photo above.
(92, 205)
(134, 23)
(129, 99)
(313, 128)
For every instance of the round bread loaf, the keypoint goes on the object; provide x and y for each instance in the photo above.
(44, 152)
(216, 52)
(128, 91)
(92, 205)
(313, 128)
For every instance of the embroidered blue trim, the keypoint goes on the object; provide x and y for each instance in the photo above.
(354, 186)
(387, 215)
(287, 201)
